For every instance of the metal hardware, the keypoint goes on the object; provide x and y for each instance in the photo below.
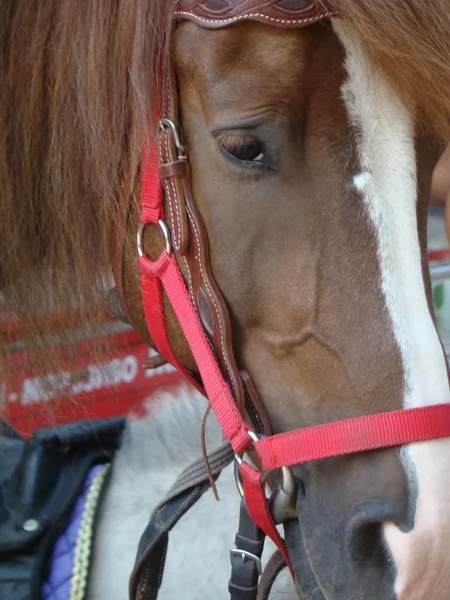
(165, 231)
(238, 460)
(169, 124)
(245, 556)
(254, 438)
(283, 502)
(238, 479)
(31, 525)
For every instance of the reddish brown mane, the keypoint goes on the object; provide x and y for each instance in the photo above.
(78, 84)
(409, 41)
(77, 90)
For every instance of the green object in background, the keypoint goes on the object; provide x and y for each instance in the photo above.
(438, 296)
(441, 303)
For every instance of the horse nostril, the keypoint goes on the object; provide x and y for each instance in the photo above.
(365, 541)
(365, 544)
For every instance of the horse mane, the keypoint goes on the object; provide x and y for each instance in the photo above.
(409, 41)
(79, 84)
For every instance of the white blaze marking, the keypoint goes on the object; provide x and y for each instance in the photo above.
(388, 186)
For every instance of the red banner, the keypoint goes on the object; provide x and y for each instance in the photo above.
(116, 384)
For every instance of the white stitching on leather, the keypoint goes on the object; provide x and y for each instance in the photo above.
(170, 182)
(191, 291)
(253, 16)
(215, 305)
(161, 160)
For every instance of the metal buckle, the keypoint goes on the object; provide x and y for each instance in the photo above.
(245, 556)
(166, 125)
(165, 231)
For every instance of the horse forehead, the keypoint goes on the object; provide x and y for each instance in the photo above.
(246, 57)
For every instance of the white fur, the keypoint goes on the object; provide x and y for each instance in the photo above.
(388, 186)
(154, 451)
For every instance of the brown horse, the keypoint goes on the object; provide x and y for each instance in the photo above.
(312, 177)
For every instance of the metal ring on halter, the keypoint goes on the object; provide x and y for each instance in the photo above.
(254, 438)
(287, 485)
(165, 231)
(164, 125)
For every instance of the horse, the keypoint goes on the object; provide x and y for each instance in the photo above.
(298, 221)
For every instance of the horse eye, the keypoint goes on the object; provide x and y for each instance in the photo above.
(246, 149)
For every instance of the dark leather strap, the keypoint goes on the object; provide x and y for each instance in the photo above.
(147, 574)
(246, 558)
(190, 486)
(273, 568)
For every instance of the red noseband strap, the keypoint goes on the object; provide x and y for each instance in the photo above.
(371, 432)
(362, 434)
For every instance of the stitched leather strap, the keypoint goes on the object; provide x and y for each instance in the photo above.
(214, 14)
(190, 486)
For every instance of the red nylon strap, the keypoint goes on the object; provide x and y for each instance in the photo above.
(371, 432)
(151, 189)
(344, 437)
(152, 296)
(258, 508)
(217, 390)
(152, 299)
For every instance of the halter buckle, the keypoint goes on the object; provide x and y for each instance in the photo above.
(244, 555)
(166, 125)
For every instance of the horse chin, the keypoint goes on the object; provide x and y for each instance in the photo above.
(306, 584)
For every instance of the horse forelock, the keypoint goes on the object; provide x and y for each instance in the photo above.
(79, 85)
(408, 41)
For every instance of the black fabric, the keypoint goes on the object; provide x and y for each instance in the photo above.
(41, 479)
(243, 584)
(147, 575)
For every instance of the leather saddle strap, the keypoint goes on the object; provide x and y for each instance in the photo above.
(190, 486)
(246, 558)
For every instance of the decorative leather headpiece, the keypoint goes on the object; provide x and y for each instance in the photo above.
(280, 13)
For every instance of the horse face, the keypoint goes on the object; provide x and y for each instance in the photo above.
(306, 173)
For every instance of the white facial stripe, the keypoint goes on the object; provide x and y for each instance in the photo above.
(388, 186)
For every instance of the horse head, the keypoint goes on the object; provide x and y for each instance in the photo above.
(311, 130)
(311, 181)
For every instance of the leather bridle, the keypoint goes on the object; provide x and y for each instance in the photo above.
(167, 203)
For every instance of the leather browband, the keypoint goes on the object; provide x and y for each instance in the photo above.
(287, 14)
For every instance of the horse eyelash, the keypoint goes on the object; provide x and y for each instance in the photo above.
(233, 141)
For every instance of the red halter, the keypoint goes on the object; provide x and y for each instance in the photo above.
(361, 434)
